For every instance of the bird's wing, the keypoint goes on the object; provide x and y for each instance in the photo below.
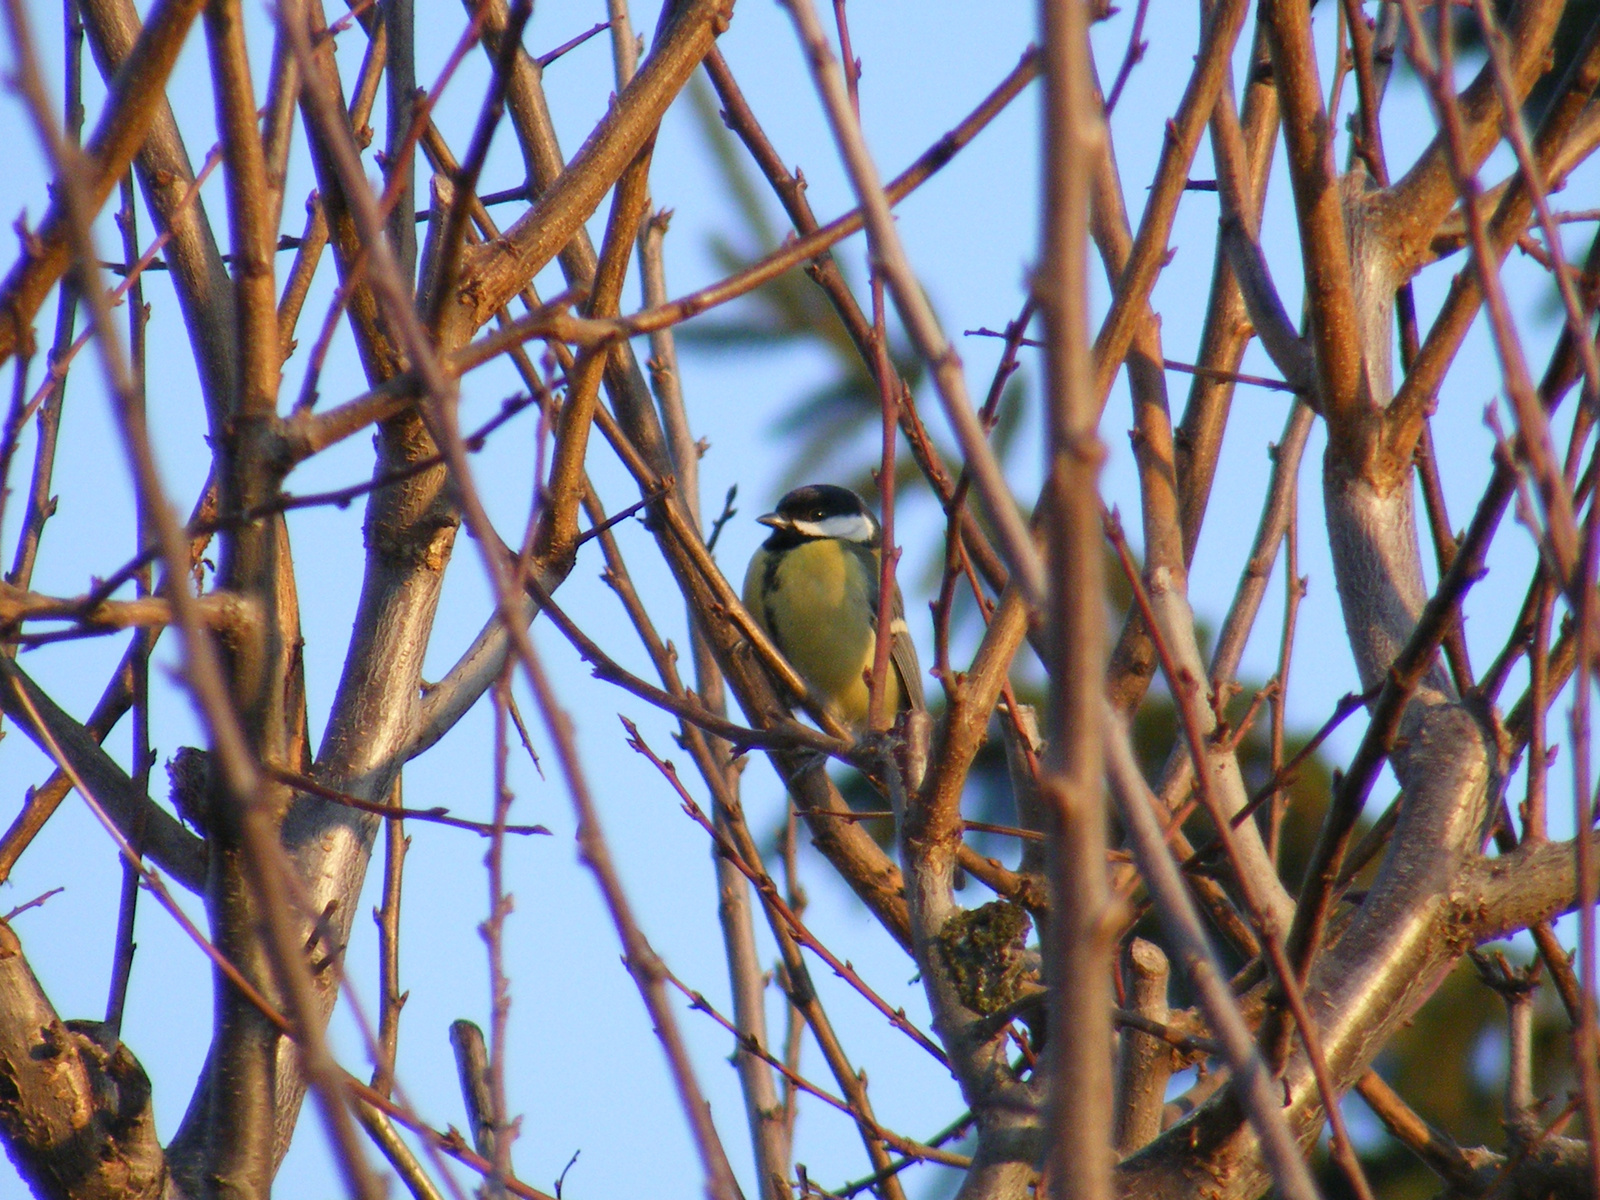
(902, 650)
(903, 654)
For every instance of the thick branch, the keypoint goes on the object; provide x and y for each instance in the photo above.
(1413, 208)
(499, 272)
(1495, 897)
(168, 844)
(138, 96)
(199, 277)
(77, 1120)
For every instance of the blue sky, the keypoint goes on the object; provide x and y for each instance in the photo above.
(585, 1071)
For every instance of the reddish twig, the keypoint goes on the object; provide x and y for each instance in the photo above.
(769, 892)
(437, 816)
(1131, 57)
(911, 1149)
(1184, 691)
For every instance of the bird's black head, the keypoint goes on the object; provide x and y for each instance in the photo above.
(820, 510)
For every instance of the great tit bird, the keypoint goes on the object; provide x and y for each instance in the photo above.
(813, 588)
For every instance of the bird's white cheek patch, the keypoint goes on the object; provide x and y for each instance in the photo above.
(852, 528)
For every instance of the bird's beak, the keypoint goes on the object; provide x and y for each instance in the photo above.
(775, 520)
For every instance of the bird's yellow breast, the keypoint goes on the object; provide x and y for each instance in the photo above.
(815, 602)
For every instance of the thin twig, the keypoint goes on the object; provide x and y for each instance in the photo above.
(143, 643)
(566, 47)
(37, 902)
(913, 1150)
(1253, 1082)
(387, 918)
(1185, 691)
(438, 816)
(1131, 58)
(1533, 180)
(465, 183)
(768, 889)
(493, 932)
(912, 304)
